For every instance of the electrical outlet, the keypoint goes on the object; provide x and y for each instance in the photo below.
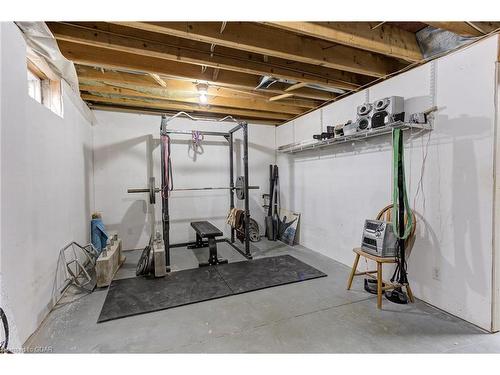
(436, 275)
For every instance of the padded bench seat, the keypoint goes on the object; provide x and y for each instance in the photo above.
(205, 229)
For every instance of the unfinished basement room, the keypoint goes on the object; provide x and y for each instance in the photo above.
(176, 183)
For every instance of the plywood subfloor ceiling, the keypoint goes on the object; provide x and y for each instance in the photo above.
(267, 72)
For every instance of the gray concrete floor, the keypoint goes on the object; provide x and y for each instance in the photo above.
(312, 316)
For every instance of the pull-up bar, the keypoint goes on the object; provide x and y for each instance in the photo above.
(189, 132)
(166, 120)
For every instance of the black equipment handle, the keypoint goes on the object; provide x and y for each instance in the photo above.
(271, 190)
(276, 191)
(4, 344)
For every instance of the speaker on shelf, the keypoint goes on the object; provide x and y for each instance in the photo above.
(364, 112)
(364, 109)
(387, 110)
(363, 123)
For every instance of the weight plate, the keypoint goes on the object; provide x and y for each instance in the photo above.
(254, 236)
(254, 228)
(253, 225)
(253, 231)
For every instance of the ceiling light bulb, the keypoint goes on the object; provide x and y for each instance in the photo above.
(202, 88)
(203, 98)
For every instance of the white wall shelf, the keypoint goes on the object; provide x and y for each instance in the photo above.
(362, 135)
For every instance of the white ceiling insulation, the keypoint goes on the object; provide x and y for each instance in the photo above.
(43, 45)
(39, 38)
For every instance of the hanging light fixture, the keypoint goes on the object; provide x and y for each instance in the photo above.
(202, 93)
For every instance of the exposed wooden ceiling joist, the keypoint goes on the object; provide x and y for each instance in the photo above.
(282, 96)
(298, 85)
(465, 28)
(126, 39)
(102, 57)
(175, 96)
(305, 92)
(91, 76)
(278, 43)
(385, 39)
(174, 106)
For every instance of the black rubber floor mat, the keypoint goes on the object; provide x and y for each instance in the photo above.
(266, 272)
(139, 295)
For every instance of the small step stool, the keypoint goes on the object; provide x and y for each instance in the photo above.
(380, 261)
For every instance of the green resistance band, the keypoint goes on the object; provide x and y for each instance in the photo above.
(397, 156)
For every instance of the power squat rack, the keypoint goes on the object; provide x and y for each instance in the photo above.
(240, 187)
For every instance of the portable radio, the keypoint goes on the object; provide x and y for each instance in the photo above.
(378, 238)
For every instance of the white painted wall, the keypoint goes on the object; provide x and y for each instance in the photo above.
(337, 188)
(46, 189)
(120, 157)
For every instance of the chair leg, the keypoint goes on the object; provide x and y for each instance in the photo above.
(353, 271)
(410, 293)
(379, 285)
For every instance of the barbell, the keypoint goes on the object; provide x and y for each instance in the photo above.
(239, 188)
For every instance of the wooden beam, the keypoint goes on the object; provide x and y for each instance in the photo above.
(385, 39)
(251, 104)
(464, 29)
(152, 111)
(296, 86)
(268, 41)
(109, 59)
(279, 97)
(102, 57)
(91, 76)
(169, 106)
(129, 40)
(158, 80)
(305, 92)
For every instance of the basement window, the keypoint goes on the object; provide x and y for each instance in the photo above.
(44, 85)
(34, 86)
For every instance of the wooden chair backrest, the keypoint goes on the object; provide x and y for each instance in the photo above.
(385, 214)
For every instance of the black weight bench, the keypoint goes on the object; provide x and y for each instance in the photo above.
(204, 229)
